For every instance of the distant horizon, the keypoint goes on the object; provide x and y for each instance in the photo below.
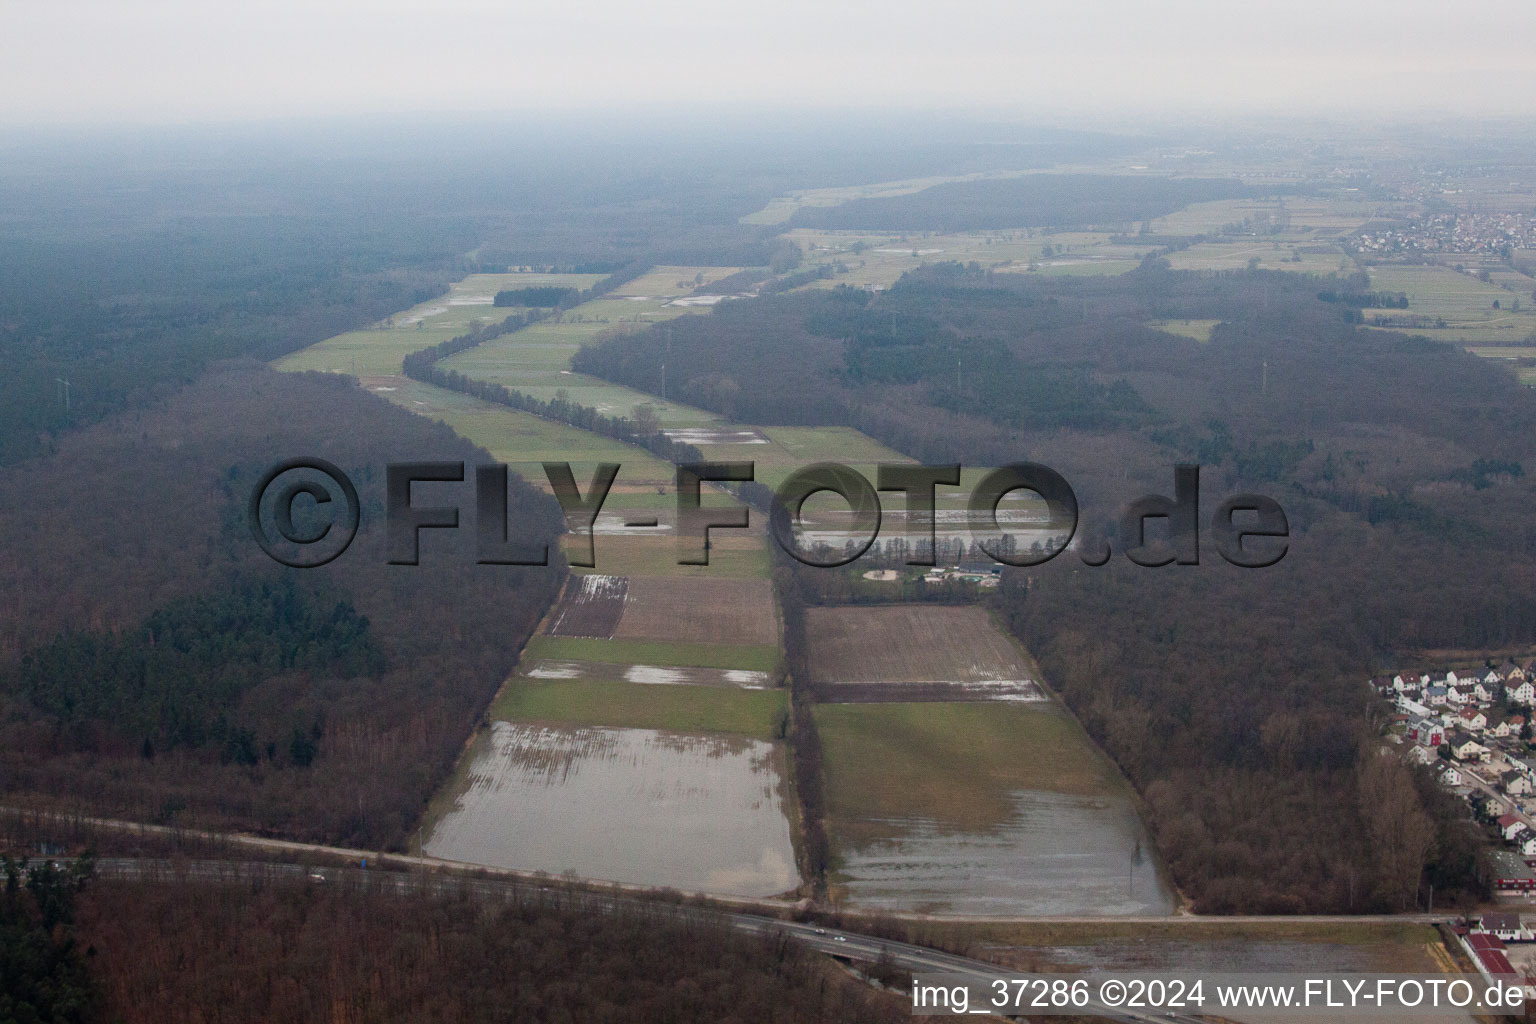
(170, 61)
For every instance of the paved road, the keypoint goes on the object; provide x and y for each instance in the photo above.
(841, 943)
(399, 860)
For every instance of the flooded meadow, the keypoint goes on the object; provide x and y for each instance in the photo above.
(697, 813)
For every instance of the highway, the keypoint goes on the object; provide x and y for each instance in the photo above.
(289, 847)
(837, 942)
(488, 882)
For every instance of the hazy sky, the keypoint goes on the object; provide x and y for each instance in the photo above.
(169, 60)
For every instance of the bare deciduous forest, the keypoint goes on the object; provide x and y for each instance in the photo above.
(161, 668)
(1233, 699)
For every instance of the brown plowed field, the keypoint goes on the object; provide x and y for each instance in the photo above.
(699, 610)
(911, 644)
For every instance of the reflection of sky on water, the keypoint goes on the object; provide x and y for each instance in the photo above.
(1057, 855)
(626, 805)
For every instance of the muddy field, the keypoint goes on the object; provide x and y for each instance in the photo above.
(590, 606)
(652, 675)
(926, 644)
(628, 805)
(699, 610)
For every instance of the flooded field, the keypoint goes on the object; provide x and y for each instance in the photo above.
(1057, 854)
(1018, 690)
(658, 675)
(995, 809)
(626, 805)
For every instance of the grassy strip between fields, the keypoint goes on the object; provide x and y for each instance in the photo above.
(756, 713)
(754, 657)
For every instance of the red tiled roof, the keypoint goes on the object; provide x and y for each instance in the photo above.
(1496, 962)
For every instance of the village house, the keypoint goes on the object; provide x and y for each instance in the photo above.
(1507, 925)
(1465, 748)
(1434, 696)
(1472, 720)
(1509, 826)
(1426, 732)
(1515, 783)
(1522, 693)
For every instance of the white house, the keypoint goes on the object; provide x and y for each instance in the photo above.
(1472, 720)
(1426, 732)
(1507, 925)
(1434, 696)
(1465, 748)
(1515, 783)
(1510, 826)
(1522, 693)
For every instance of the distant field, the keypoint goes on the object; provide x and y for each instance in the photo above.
(878, 259)
(368, 353)
(911, 643)
(379, 350)
(782, 208)
(1442, 291)
(536, 360)
(1271, 254)
(758, 658)
(673, 281)
(699, 610)
(693, 709)
(525, 439)
(1199, 330)
(1323, 215)
(732, 555)
(1462, 301)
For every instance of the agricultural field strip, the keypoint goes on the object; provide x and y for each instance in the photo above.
(589, 606)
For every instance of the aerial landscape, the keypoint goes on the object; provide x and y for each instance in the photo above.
(767, 529)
